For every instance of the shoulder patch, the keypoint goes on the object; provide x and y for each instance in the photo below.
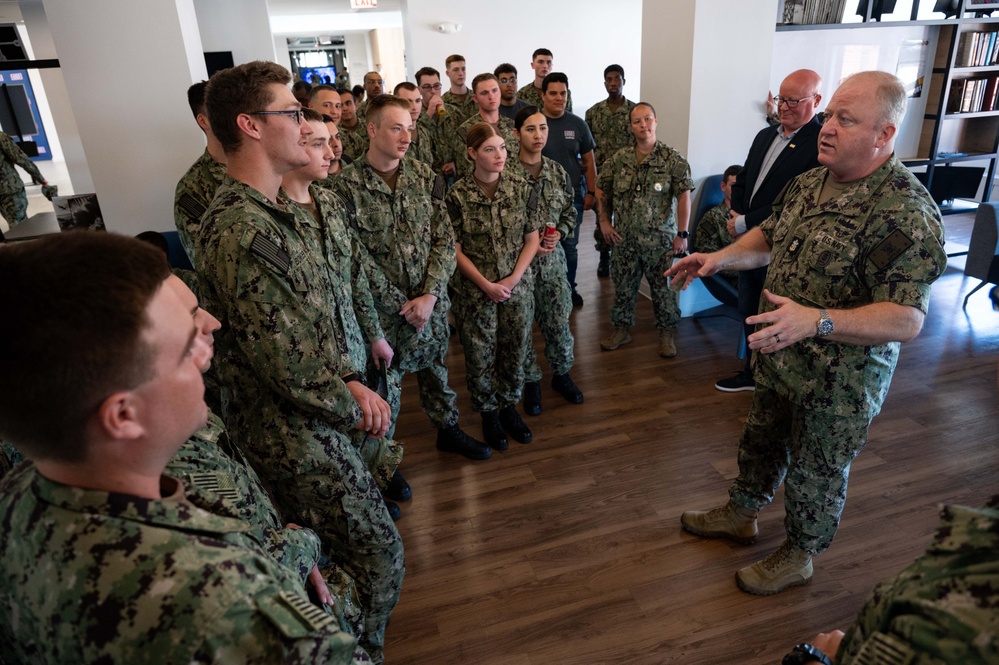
(453, 210)
(271, 252)
(191, 206)
(440, 188)
(889, 249)
(217, 482)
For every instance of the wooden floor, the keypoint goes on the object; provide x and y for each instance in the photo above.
(569, 550)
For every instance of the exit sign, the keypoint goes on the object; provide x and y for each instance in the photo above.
(363, 4)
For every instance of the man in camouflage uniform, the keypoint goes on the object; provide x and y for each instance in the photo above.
(496, 239)
(458, 98)
(485, 92)
(197, 187)
(353, 132)
(532, 93)
(712, 229)
(610, 124)
(294, 347)
(552, 294)
(326, 100)
(941, 609)
(437, 121)
(374, 85)
(644, 208)
(421, 144)
(114, 561)
(853, 247)
(407, 254)
(13, 200)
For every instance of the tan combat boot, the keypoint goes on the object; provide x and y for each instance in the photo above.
(667, 343)
(729, 521)
(787, 567)
(619, 337)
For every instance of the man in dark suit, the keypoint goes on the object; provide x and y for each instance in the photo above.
(778, 155)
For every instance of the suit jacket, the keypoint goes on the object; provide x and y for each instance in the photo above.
(800, 155)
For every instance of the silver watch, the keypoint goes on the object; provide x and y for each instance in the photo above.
(824, 324)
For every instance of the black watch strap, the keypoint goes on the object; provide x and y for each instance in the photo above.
(353, 376)
(806, 653)
(683, 234)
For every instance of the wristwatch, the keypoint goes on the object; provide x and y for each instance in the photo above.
(683, 235)
(353, 376)
(824, 324)
(806, 653)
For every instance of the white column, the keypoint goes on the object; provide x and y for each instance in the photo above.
(127, 66)
(240, 26)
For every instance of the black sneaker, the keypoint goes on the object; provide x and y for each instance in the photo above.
(577, 300)
(493, 431)
(513, 425)
(398, 489)
(738, 383)
(564, 386)
(532, 398)
(603, 268)
(454, 440)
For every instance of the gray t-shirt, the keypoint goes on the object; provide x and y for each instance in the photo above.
(569, 138)
(511, 111)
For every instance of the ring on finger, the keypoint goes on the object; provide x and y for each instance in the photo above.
(777, 337)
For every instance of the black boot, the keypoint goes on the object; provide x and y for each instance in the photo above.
(453, 439)
(493, 431)
(513, 425)
(393, 510)
(564, 386)
(532, 398)
(603, 268)
(398, 489)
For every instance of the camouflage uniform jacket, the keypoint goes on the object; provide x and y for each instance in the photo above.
(10, 179)
(555, 193)
(438, 128)
(459, 148)
(422, 147)
(491, 233)
(460, 109)
(611, 129)
(880, 240)
(281, 284)
(405, 247)
(355, 141)
(942, 609)
(532, 96)
(641, 198)
(712, 230)
(209, 462)
(98, 577)
(194, 194)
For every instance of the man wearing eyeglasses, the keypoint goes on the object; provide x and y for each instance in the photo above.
(509, 103)
(374, 85)
(439, 119)
(292, 348)
(778, 155)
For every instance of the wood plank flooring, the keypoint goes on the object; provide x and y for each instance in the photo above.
(569, 550)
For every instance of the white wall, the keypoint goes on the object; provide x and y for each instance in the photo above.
(387, 52)
(359, 58)
(835, 54)
(127, 69)
(240, 26)
(585, 36)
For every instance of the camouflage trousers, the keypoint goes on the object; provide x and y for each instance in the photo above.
(495, 337)
(14, 206)
(329, 488)
(436, 397)
(810, 453)
(648, 257)
(552, 307)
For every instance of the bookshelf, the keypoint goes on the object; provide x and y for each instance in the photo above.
(959, 134)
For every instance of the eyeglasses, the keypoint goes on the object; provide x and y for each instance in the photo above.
(791, 103)
(428, 87)
(511, 79)
(296, 114)
(375, 81)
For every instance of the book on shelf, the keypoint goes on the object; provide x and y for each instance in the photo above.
(973, 95)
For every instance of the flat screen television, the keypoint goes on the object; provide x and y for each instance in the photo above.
(953, 182)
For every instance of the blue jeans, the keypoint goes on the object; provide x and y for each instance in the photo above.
(569, 244)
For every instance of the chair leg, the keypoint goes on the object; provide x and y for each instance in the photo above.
(965, 306)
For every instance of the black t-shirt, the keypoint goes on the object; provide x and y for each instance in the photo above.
(569, 138)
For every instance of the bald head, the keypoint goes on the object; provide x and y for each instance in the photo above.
(798, 99)
(373, 85)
